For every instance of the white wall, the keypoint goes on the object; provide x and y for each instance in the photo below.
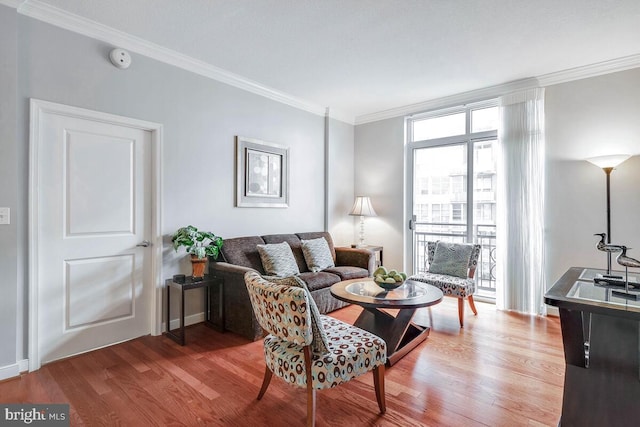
(588, 118)
(340, 176)
(379, 167)
(8, 188)
(200, 118)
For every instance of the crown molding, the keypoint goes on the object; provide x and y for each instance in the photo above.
(86, 27)
(578, 73)
(449, 101)
(11, 3)
(593, 70)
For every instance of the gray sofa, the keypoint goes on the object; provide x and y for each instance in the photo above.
(240, 255)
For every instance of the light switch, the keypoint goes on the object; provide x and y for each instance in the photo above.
(5, 216)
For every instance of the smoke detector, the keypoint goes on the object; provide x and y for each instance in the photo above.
(120, 58)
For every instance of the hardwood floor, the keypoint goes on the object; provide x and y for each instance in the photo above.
(502, 369)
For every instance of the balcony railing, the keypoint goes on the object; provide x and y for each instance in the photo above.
(485, 235)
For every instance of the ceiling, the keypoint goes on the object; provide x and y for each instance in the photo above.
(360, 57)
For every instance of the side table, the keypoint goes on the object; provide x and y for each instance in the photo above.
(207, 282)
(375, 249)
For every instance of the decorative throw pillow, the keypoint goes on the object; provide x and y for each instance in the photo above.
(320, 343)
(317, 254)
(277, 259)
(451, 259)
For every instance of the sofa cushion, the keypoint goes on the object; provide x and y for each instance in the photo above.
(319, 280)
(243, 251)
(277, 259)
(451, 259)
(348, 273)
(295, 244)
(317, 254)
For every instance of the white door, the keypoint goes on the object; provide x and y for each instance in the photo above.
(93, 272)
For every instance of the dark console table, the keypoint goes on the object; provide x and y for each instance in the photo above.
(601, 338)
(211, 301)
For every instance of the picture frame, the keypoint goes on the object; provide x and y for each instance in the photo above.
(262, 174)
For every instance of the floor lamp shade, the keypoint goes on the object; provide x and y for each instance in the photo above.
(362, 207)
(608, 161)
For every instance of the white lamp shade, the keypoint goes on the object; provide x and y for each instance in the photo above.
(362, 207)
(609, 161)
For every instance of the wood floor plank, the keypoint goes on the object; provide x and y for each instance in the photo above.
(501, 369)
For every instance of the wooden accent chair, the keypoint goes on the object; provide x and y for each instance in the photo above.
(461, 286)
(330, 353)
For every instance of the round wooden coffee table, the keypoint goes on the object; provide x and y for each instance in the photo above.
(399, 332)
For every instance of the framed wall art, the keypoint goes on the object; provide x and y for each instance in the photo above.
(262, 174)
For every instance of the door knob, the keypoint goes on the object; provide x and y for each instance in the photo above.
(144, 244)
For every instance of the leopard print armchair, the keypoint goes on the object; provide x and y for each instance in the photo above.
(287, 313)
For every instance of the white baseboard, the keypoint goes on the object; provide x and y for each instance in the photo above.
(9, 371)
(188, 320)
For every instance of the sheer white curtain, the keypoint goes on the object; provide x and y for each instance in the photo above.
(520, 220)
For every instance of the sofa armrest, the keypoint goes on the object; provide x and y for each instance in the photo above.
(356, 257)
(226, 268)
(238, 313)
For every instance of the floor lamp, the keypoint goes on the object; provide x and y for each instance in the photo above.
(362, 207)
(608, 164)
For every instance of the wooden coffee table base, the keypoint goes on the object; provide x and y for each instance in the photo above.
(400, 334)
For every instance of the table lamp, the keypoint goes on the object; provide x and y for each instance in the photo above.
(362, 207)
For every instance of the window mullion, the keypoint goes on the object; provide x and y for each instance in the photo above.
(470, 218)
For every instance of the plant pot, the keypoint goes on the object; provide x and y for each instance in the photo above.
(197, 266)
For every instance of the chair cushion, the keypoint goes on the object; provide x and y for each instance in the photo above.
(317, 254)
(280, 310)
(320, 341)
(277, 259)
(352, 352)
(449, 285)
(451, 259)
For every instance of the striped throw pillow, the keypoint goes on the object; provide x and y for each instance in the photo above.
(277, 259)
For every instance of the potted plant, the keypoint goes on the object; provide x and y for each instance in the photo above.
(199, 244)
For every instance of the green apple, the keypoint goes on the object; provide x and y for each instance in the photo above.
(380, 271)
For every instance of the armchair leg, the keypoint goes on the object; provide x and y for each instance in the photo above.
(265, 382)
(461, 311)
(378, 382)
(311, 392)
(472, 305)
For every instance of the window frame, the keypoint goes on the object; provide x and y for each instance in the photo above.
(469, 139)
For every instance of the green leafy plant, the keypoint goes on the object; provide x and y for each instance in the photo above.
(197, 243)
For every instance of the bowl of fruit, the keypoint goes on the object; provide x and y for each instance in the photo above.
(388, 279)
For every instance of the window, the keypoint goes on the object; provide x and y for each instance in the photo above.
(439, 185)
(458, 184)
(439, 127)
(458, 212)
(484, 183)
(452, 170)
(484, 119)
